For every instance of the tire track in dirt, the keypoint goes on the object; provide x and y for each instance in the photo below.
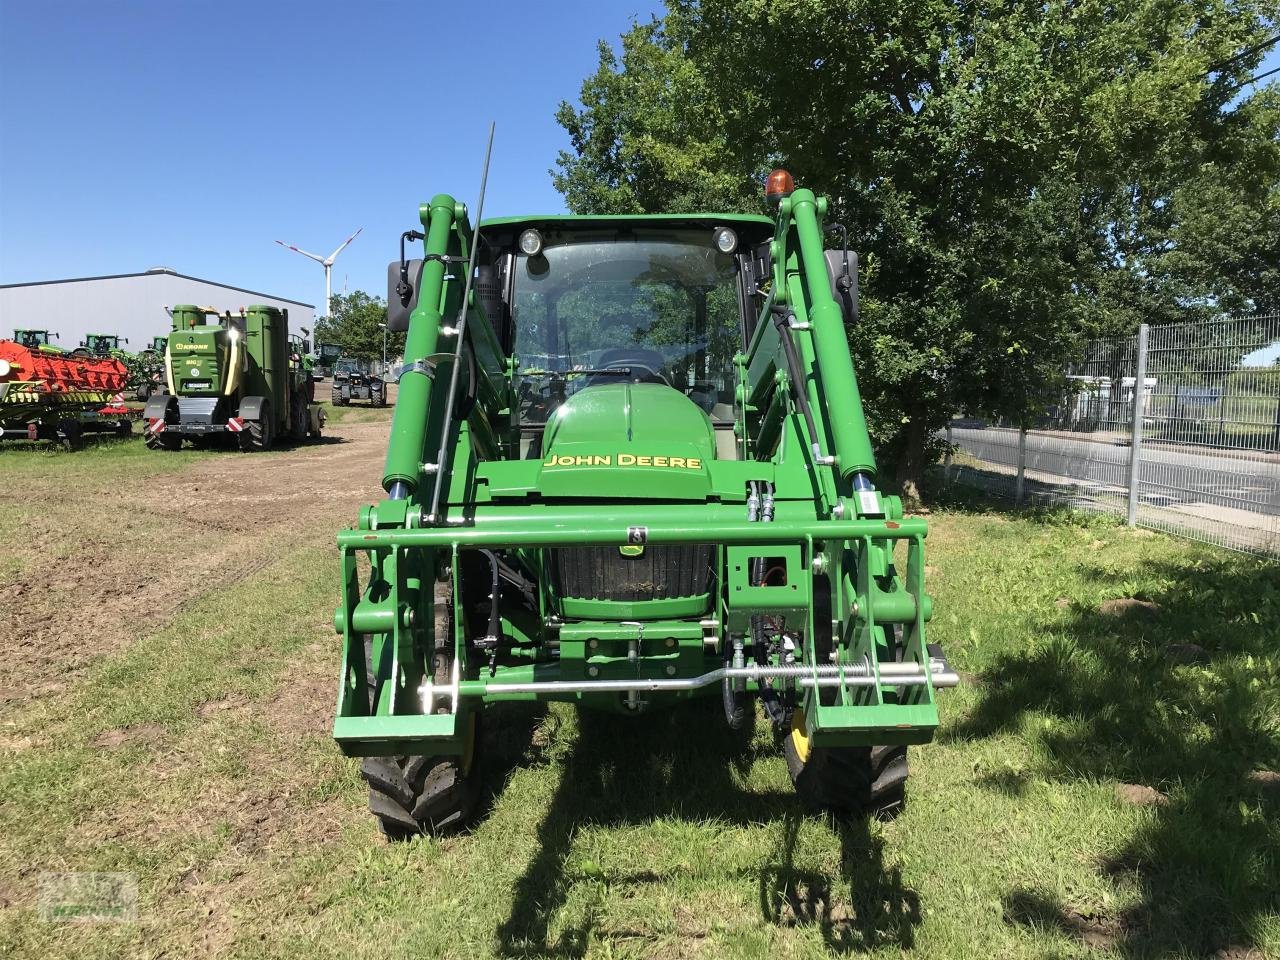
(169, 541)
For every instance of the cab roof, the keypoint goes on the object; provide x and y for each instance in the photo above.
(618, 219)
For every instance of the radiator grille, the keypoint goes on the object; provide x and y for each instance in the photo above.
(659, 573)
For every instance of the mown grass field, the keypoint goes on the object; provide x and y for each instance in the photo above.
(1104, 783)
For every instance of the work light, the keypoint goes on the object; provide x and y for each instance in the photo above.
(531, 242)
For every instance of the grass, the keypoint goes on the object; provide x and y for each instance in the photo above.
(198, 761)
(103, 460)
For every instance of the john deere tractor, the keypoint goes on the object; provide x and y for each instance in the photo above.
(634, 470)
(239, 376)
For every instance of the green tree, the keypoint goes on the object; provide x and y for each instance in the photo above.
(354, 325)
(1018, 177)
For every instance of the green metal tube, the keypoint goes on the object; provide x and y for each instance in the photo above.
(547, 528)
(831, 344)
(413, 401)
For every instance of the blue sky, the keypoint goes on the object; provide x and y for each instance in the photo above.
(193, 134)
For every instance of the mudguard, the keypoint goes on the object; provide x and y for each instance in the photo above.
(158, 407)
(251, 408)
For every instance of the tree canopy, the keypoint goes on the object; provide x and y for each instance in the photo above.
(1018, 177)
(353, 324)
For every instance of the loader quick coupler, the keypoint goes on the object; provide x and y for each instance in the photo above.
(634, 472)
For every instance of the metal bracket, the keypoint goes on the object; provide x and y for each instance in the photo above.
(425, 367)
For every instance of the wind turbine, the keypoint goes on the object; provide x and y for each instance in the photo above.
(326, 262)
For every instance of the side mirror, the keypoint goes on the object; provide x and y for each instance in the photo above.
(401, 301)
(844, 281)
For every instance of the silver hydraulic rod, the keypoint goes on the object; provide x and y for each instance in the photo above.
(856, 675)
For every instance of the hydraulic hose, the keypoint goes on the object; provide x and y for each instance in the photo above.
(495, 615)
(782, 320)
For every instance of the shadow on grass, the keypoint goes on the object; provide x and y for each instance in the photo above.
(632, 770)
(1126, 703)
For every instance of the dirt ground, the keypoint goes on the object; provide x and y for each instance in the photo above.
(129, 573)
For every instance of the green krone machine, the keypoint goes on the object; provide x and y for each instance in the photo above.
(233, 375)
(634, 471)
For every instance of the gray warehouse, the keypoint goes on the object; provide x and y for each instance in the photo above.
(130, 305)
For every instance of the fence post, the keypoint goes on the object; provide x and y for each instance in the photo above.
(1022, 466)
(1139, 405)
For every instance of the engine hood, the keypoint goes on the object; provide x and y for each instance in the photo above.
(628, 440)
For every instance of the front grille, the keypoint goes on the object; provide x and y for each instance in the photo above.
(659, 573)
(197, 409)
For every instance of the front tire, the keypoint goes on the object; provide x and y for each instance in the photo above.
(434, 795)
(415, 795)
(846, 781)
(258, 435)
(162, 441)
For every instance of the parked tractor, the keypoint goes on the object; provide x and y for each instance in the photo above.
(101, 345)
(635, 471)
(35, 339)
(326, 355)
(239, 376)
(48, 394)
(352, 380)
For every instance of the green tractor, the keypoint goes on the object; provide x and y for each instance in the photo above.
(352, 380)
(234, 375)
(149, 369)
(634, 471)
(36, 339)
(102, 345)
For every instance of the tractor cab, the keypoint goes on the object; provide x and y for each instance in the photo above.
(652, 310)
(101, 344)
(33, 339)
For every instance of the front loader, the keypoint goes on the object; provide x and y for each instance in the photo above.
(634, 471)
(239, 376)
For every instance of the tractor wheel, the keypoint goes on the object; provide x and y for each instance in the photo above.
(416, 795)
(124, 428)
(433, 795)
(298, 418)
(846, 780)
(162, 441)
(258, 435)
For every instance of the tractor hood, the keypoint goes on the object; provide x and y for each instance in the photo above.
(629, 441)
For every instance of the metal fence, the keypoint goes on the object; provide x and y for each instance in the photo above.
(1176, 428)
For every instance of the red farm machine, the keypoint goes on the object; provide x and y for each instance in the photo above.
(48, 394)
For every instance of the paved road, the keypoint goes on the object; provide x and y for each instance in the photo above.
(1167, 476)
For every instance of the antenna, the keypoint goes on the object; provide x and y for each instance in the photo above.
(326, 262)
(442, 458)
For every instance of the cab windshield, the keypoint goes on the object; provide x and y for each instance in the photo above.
(644, 306)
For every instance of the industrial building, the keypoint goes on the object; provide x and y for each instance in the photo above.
(130, 305)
